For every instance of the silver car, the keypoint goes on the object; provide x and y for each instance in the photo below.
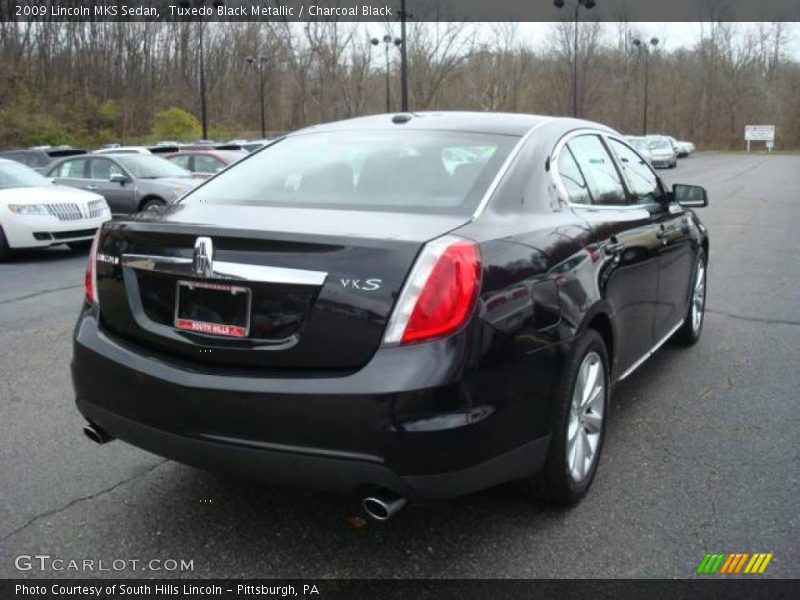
(129, 182)
(640, 144)
(662, 152)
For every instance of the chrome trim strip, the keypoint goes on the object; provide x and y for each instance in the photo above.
(224, 270)
(650, 352)
(505, 167)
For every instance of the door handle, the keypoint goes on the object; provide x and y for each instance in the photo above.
(91, 187)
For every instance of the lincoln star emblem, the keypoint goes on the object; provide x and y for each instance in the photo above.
(203, 259)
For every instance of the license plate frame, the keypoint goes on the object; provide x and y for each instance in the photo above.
(213, 328)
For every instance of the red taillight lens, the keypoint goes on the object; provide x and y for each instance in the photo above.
(440, 293)
(90, 279)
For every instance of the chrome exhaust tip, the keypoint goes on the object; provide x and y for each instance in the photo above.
(382, 506)
(97, 435)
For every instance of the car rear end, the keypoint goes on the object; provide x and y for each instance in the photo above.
(307, 326)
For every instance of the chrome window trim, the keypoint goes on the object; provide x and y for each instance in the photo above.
(505, 167)
(554, 156)
(184, 267)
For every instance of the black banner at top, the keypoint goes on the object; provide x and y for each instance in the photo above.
(390, 10)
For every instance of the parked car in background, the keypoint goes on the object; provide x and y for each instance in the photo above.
(157, 149)
(640, 144)
(41, 157)
(34, 213)
(685, 148)
(254, 145)
(662, 153)
(129, 182)
(412, 306)
(204, 163)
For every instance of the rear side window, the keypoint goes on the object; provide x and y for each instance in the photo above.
(598, 169)
(389, 170)
(71, 169)
(182, 160)
(572, 178)
(643, 181)
(203, 163)
(102, 168)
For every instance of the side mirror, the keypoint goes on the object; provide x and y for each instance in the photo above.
(118, 178)
(689, 196)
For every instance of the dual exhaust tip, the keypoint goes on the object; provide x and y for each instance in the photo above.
(380, 506)
(96, 434)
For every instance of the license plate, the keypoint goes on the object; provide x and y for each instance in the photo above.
(213, 308)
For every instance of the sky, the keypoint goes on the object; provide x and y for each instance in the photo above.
(671, 35)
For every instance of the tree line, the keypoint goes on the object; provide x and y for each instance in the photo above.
(91, 83)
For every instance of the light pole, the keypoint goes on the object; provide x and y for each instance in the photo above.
(260, 63)
(643, 46)
(387, 41)
(203, 114)
(588, 5)
(403, 58)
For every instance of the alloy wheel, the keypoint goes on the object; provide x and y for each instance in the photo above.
(698, 297)
(586, 417)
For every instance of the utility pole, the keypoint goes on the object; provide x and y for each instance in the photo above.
(588, 5)
(203, 113)
(645, 48)
(260, 63)
(403, 58)
(388, 40)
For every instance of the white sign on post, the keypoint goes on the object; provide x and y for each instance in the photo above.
(760, 133)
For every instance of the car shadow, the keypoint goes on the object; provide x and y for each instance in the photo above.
(50, 254)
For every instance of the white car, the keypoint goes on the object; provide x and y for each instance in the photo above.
(160, 148)
(34, 213)
(640, 144)
(662, 153)
(685, 148)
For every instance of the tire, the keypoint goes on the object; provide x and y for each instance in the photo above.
(693, 321)
(562, 481)
(79, 246)
(152, 203)
(5, 250)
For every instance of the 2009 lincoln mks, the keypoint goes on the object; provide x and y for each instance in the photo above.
(414, 306)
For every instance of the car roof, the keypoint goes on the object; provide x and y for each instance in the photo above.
(474, 122)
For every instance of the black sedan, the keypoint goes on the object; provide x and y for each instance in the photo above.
(415, 306)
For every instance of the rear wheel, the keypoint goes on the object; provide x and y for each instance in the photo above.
(152, 203)
(579, 426)
(692, 326)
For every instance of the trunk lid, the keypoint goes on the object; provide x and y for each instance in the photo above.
(318, 286)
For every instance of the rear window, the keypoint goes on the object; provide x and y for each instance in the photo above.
(412, 171)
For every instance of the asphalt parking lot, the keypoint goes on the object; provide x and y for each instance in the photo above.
(702, 453)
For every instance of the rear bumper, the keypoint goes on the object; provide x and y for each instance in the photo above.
(318, 469)
(413, 420)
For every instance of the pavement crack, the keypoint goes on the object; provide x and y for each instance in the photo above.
(75, 501)
(39, 293)
(752, 319)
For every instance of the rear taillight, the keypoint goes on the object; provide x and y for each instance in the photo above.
(439, 296)
(90, 279)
